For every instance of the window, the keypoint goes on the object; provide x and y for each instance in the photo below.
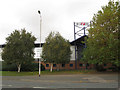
(54, 65)
(87, 65)
(71, 65)
(47, 65)
(105, 64)
(63, 65)
(81, 65)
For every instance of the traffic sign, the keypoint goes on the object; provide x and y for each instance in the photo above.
(82, 23)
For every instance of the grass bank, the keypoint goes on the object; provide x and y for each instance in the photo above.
(15, 73)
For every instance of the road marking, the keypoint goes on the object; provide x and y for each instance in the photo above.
(39, 87)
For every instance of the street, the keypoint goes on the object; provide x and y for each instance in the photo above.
(61, 81)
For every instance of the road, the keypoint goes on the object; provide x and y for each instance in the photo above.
(62, 81)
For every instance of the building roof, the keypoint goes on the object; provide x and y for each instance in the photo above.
(75, 42)
(36, 45)
(79, 40)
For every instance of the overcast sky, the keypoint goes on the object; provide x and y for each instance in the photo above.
(57, 15)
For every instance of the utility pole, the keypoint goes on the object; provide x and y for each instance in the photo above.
(40, 42)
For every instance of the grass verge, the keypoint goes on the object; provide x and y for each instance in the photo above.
(46, 72)
(15, 73)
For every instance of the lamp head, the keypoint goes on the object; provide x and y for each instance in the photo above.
(39, 11)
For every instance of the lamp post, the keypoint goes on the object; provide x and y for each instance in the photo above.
(40, 42)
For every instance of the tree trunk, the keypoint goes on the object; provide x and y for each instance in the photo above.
(19, 66)
(51, 67)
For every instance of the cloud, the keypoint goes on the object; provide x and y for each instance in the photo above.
(57, 15)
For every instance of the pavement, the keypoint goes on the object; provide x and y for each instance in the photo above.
(64, 82)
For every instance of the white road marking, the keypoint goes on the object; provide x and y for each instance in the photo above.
(39, 87)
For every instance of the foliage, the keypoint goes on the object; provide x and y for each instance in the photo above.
(9, 67)
(100, 68)
(24, 67)
(56, 49)
(103, 41)
(32, 67)
(19, 48)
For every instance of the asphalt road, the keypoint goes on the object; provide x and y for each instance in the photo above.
(62, 81)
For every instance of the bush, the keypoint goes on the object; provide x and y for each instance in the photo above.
(9, 67)
(32, 67)
(114, 68)
(24, 67)
(100, 68)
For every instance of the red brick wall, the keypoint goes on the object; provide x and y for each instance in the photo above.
(67, 66)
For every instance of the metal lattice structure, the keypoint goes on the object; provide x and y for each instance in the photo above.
(79, 30)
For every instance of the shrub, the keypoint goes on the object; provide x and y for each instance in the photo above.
(9, 67)
(32, 67)
(100, 68)
(24, 67)
(114, 68)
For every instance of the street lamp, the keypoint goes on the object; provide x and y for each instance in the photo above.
(40, 42)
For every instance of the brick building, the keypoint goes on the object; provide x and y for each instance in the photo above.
(74, 61)
(76, 55)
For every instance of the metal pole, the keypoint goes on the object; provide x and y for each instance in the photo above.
(75, 48)
(40, 43)
(74, 32)
(84, 31)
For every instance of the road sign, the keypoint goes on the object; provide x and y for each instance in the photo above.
(38, 52)
(82, 23)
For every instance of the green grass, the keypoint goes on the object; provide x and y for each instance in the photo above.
(15, 73)
(68, 72)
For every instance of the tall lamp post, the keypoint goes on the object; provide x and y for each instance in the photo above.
(40, 42)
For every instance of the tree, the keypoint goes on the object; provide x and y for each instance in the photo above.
(102, 43)
(56, 49)
(19, 48)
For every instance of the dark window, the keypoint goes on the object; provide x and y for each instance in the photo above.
(105, 64)
(71, 65)
(47, 65)
(63, 65)
(81, 65)
(54, 65)
(87, 65)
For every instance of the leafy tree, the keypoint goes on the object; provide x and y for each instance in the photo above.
(19, 48)
(102, 43)
(56, 49)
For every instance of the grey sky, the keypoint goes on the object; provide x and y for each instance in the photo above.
(57, 15)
